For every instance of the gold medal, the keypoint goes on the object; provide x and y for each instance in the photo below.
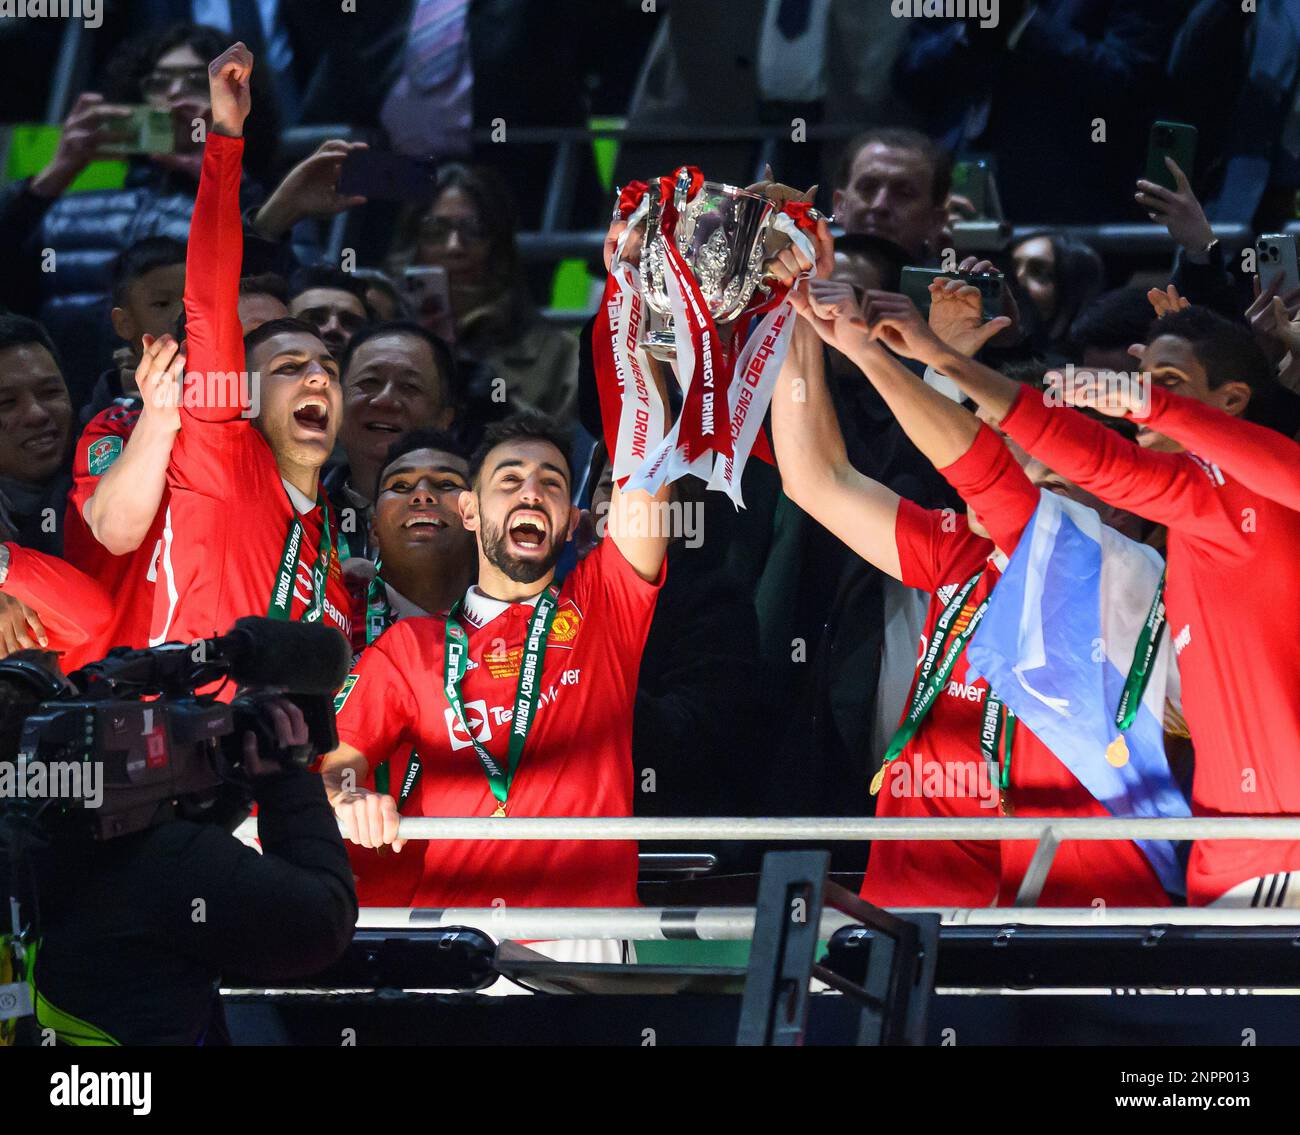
(501, 811)
(1117, 752)
(878, 780)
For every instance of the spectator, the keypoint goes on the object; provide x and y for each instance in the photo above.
(262, 298)
(331, 301)
(1049, 71)
(469, 230)
(893, 184)
(869, 263)
(35, 431)
(86, 231)
(382, 295)
(1105, 329)
(1059, 276)
(148, 287)
(397, 377)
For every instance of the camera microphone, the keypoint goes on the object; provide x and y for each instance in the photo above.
(306, 658)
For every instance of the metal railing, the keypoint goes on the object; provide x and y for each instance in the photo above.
(1047, 833)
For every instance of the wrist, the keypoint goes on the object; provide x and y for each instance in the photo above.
(228, 129)
(1201, 249)
(55, 178)
(274, 219)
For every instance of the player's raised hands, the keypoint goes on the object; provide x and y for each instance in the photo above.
(158, 377)
(228, 85)
(957, 316)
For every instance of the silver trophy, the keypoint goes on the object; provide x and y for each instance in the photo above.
(723, 234)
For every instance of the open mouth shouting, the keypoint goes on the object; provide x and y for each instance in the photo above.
(528, 532)
(312, 414)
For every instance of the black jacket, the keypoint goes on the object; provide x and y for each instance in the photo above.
(137, 931)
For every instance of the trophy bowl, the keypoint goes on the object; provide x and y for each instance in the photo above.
(722, 235)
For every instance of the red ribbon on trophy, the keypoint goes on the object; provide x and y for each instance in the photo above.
(726, 385)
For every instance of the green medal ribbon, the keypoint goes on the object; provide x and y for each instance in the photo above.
(379, 617)
(282, 593)
(997, 738)
(939, 660)
(527, 692)
(1144, 654)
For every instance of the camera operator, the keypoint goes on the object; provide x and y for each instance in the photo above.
(136, 932)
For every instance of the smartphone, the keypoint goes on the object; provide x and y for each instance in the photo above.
(381, 176)
(429, 294)
(975, 179)
(147, 131)
(915, 284)
(1176, 140)
(1276, 252)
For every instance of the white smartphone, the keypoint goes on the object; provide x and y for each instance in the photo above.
(1274, 252)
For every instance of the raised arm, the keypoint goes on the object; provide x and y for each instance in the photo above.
(127, 496)
(1167, 488)
(214, 336)
(1263, 460)
(631, 522)
(815, 469)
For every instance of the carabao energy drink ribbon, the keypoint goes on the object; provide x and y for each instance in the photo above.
(720, 424)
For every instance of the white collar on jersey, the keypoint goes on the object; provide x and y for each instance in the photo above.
(480, 609)
(301, 501)
(998, 558)
(400, 605)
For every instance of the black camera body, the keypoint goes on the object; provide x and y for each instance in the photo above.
(130, 741)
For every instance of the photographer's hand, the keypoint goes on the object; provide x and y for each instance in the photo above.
(290, 730)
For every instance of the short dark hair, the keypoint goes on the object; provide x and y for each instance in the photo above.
(1115, 320)
(266, 284)
(443, 358)
(419, 438)
(889, 258)
(141, 257)
(527, 426)
(17, 330)
(259, 335)
(901, 138)
(1226, 350)
(323, 276)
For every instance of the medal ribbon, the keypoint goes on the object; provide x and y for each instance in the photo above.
(527, 691)
(282, 593)
(940, 657)
(379, 617)
(1144, 654)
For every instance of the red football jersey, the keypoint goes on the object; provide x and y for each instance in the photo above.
(128, 578)
(938, 553)
(1234, 566)
(577, 760)
(230, 513)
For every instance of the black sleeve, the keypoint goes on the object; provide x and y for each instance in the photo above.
(21, 214)
(1209, 285)
(288, 912)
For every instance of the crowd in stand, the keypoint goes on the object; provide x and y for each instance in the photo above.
(433, 478)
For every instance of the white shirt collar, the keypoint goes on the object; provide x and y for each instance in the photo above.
(999, 559)
(301, 502)
(481, 609)
(400, 605)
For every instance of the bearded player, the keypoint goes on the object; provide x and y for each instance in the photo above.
(519, 700)
(247, 530)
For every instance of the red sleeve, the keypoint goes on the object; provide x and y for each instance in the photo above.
(993, 484)
(72, 606)
(1263, 460)
(101, 443)
(217, 448)
(605, 581)
(1169, 488)
(213, 334)
(376, 709)
(917, 533)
